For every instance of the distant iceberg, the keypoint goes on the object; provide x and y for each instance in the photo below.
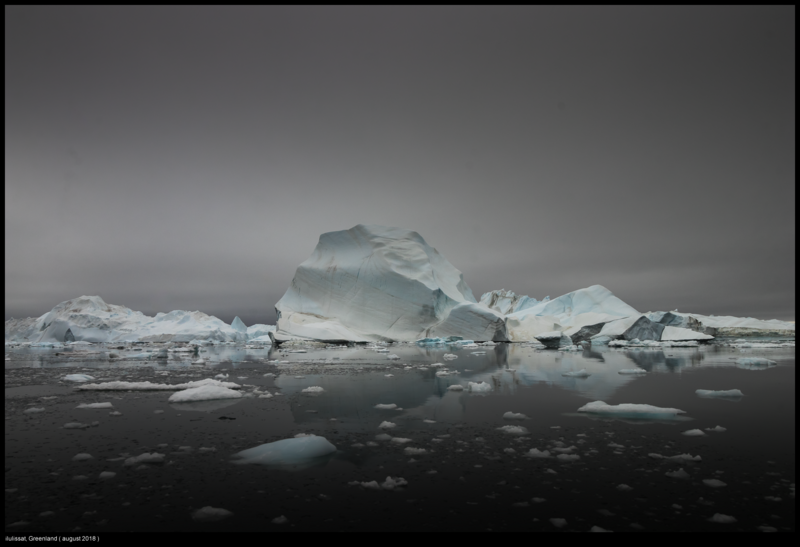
(91, 319)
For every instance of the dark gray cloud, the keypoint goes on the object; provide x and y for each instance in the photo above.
(190, 157)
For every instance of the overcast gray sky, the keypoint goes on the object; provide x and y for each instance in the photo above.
(190, 157)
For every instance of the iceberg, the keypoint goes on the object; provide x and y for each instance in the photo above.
(91, 319)
(375, 283)
(287, 451)
(554, 339)
(506, 302)
(754, 363)
(204, 393)
(724, 393)
(629, 410)
(724, 325)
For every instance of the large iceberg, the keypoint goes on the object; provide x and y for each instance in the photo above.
(373, 283)
(90, 319)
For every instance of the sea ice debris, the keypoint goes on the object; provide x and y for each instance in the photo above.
(210, 514)
(204, 393)
(286, 451)
(514, 416)
(514, 430)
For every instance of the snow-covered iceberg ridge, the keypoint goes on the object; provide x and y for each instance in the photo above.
(90, 319)
(376, 283)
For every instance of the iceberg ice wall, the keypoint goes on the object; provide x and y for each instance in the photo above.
(374, 283)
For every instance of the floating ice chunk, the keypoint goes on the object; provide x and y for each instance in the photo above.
(313, 389)
(455, 387)
(718, 429)
(679, 457)
(400, 440)
(624, 488)
(387, 425)
(514, 430)
(154, 457)
(724, 393)
(33, 410)
(558, 523)
(577, 374)
(568, 457)
(393, 357)
(755, 363)
(481, 387)
(78, 425)
(389, 375)
(204, 393)
(391, 406)
(82, 457)
(598, 529)
(440, 373)
(78, 378)
(149, 386)
(210, 514)
(722, 519)
(535, 453)
(679, 474)
(411, 451)
(287, 451)
(514, 416)
(693, 433)
(632, 371)
(391, 483)
(449, 356)
(107, 475)
(115, 413)
(429, 421)
(280, 520)
(629, 410)
(95, 405)
(714, 483)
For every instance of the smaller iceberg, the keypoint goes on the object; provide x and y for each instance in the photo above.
(729, 393)
(295, 451)
(754, 363)
(204, 393)
(629, 410)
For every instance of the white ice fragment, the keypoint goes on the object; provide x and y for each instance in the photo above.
(154, 457)
(455, 387)
(718, 429)
(411, 451)
(400, 440)
(679, 474)
(393, 356)
(77, 378)
(514, 430)
(387, 425)
(82, 457)
(95, 405)
(629, 410)
(755, 363)
(391, 406)
(632, 371)
(389, 375)
(204, 393)
(598, 529)
(313, 389)
(210, 514)
(724, 393)
(514, 416)
(33, 410)
(449, 356)
(429, 421)
(623, 487)
(577, 374)
(149, 386)
(714, 483)
(693, 433)
(722, 519)
(286, 451)
(481, 387)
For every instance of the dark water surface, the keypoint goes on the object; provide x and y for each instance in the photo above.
(473, 476)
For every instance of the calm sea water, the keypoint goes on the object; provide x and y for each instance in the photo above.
(472, 476)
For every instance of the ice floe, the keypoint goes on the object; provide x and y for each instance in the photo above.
(629, 410)
(481, 387)
(149, 386)
(204, 393)
(723, 393)
(514, 416)
(693, 433)
(755, 363)
(287, 451)
(391, 406)
(514, 430)
(147, 457)
(211, 514)
(95, 405)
